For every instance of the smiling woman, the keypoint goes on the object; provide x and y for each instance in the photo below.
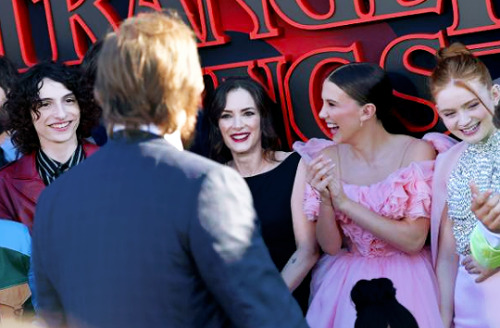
(239, 123)
(49, 115)
(465, 98)
(242, 136)
(367, 201)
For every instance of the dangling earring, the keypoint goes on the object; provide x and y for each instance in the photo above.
(360, 123)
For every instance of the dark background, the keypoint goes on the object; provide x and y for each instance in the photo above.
(415, 115)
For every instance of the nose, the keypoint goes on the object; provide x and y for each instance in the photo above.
(322, 113)
(59, 111)
(237, 121)
(463, 118)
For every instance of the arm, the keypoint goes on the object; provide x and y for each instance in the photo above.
(407, 234)
(322, 175)
(48, 304)
(327, 229)
(232, 259)
(307, 252)
(5, 200)
(446, 269)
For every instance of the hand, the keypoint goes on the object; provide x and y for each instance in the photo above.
(324, 176)
(486, 207)
(319, 175)
(473, 267)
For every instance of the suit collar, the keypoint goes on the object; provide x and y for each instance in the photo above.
(130, 135)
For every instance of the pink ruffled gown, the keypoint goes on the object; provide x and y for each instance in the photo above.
(404, 193)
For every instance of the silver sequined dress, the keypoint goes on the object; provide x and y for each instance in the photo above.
(479, 163)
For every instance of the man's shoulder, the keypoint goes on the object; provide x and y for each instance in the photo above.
(21, 168)
(199, 162)
(89, 148)
(185, 160)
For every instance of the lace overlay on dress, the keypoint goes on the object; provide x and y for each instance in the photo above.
(479, 163)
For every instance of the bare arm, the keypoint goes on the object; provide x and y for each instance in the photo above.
(322, 172)
(406, 234)
(446, 269)
(307, 252)
(327, 230)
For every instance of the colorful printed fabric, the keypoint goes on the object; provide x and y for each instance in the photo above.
(15, 250)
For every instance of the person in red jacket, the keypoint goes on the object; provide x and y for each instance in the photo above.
(49, 114)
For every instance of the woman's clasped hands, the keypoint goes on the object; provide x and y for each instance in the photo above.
(324, 176)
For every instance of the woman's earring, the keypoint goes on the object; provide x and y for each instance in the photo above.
(360, 123)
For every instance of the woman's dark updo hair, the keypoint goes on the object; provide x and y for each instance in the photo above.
(265, 106)
(23, 100)
(377, 306)
(367, 83)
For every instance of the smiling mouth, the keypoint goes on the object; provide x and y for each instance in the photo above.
(61, 125)
(332, 127)
(240, 137)
(471, 130)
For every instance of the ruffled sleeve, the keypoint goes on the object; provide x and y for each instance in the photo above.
(440, 141)
(308, 151)
(311, 149)
(406, 193)
(419, 190)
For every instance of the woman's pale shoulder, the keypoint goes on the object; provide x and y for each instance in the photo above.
(417, 149)
(331, 150)
(280, 156)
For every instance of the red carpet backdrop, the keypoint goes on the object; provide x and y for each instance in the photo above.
(287, 45)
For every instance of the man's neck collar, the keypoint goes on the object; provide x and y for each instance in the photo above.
(60, 152)
(172, 138)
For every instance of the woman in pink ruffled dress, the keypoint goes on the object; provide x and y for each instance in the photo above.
(369, 194)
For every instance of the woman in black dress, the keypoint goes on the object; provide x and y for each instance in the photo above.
(242, 136)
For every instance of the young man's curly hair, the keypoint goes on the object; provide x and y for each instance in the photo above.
(23, 100)
(8, 74)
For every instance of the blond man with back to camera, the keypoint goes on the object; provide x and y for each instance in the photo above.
(165, 238)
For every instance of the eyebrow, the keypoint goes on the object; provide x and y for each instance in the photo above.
(243, 109)
(463, 105)
(66, 95)
(331, 100)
